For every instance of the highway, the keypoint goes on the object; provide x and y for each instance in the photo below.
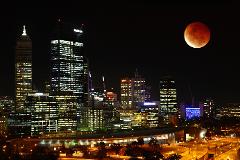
(231, 154)
(222, 148)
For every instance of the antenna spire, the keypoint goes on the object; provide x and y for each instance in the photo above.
(104, 86)
(24, 31)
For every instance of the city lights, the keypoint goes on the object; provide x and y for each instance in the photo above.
(122, 86)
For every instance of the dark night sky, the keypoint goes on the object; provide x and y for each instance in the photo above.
(122, 37)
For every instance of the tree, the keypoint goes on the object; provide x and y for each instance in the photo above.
(140, 141)
(156, 155)
(69, 152)
(3, 154)
(133, 150)
(84, 150)
(133, 158)
(174, 157)
(43, 153)
(153, 143)
(102, 152)
(116, 147)
(134, 144)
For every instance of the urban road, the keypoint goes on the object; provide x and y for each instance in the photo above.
(223, 148)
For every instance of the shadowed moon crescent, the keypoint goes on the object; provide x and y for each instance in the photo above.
(197, 35)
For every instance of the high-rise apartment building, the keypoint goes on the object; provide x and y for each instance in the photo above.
(168, 100)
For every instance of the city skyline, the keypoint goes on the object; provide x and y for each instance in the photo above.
(144, 80)
(148, 37)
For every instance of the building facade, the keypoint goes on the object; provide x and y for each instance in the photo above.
(133, 91)
(209, 110)
(91, 119)
(19, 123)
(6, 109)
(69, 67)
(69, 74)
(23, 69)
(151, 112)
(44, 113)
(126, 93)
(68, 112)
(229, 110)
(138, 89)
(168, 100)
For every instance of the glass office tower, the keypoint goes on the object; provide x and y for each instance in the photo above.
(69, 74)
(168, 100)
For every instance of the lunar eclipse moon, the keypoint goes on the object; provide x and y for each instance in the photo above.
(197, 35)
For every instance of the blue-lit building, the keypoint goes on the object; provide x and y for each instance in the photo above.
(192, 113)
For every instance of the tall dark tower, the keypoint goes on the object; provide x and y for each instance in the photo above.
(69, 73)
(23, 69)
(138, 89)
(67, 61)
(19, 119)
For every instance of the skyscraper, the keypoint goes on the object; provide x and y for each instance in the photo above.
(69, 73)
(209, 108)
(133, 91)
(168, 100)
(138, 89)
(6, 107)
(147, 93)
(20, 117)
(126, 93)
(67, 61)
(23, 69)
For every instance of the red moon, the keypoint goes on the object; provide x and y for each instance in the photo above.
(197, 35)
